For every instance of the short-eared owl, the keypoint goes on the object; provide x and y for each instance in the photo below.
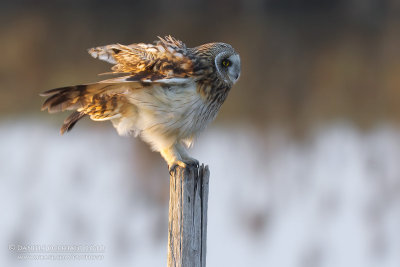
(168, 93)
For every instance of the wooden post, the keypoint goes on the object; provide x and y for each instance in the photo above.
(187, 229)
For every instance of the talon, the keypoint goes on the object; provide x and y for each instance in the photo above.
(184, 164)
(175, 165)
(172, 169)
(192, 162)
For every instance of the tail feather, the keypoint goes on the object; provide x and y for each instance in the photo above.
(71, 120)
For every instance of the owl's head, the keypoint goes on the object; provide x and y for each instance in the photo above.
(225, 60)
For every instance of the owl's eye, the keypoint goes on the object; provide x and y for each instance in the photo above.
(226, 63)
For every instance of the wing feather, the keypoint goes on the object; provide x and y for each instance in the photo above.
(105, 100)
(101, 101)
(71, 120)
(168, 57)
(164, 63)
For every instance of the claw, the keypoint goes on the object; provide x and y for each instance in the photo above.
(175, 165)
(184, 164)
(172, 169)
(192, 162)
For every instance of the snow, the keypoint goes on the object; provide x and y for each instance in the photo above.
(331, 199)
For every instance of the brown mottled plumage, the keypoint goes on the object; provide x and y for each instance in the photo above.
(168, 95)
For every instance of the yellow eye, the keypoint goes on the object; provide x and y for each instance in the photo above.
(226, 62)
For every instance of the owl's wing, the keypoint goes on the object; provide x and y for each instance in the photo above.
(101, 101)
(105, 100)
(167, 58)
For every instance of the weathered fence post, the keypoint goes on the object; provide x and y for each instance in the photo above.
(187, 229)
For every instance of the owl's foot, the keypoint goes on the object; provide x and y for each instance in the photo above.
(191, 162)
(176, 156)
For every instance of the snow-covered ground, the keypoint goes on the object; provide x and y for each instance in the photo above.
(332, 199)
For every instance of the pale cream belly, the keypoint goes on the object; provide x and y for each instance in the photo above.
(163, 117)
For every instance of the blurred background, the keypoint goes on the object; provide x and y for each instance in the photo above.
(304, 155)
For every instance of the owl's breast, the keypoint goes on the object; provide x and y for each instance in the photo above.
(186, 112)
(168, 114)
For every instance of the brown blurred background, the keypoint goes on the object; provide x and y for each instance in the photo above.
(304, 154)
(304, 62)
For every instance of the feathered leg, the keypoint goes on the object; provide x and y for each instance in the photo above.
(176, 155)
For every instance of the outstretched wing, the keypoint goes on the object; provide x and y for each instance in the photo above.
(101, 101)
(165, 63)
(167, 58)
(105, 100)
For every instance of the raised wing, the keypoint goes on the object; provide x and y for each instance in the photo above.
(165, 63)
(167, 58)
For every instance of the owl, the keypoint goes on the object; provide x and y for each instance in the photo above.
(165, 92)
